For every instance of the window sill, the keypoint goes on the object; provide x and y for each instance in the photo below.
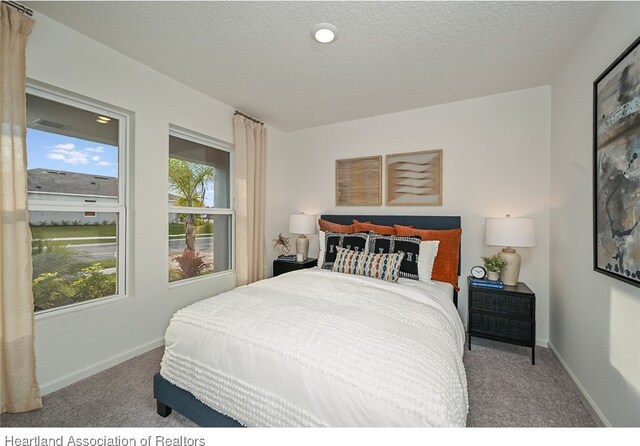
(203, 279)
(80, 306)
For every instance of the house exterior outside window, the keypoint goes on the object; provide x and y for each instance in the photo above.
(76, 149)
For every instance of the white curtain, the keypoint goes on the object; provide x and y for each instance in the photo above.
(251, 149)
(19, 391)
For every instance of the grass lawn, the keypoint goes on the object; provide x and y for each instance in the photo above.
(99, 233)
(39, 232)
(111, 263)
(178, 228)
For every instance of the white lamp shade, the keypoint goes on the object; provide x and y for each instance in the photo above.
(302, 224)
(513, 232)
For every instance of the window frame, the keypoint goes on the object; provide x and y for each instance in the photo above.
(121, 207)
(217, 144)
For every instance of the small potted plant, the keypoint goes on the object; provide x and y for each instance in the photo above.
(283, 243)
(493, 265)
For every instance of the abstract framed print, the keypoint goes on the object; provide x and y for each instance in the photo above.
(359, 181)
(414, 178)
(616, 167)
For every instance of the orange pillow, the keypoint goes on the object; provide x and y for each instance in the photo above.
(378, 229)
(328, 226)
(445, 267)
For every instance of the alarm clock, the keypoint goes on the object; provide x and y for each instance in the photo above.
(478, 272)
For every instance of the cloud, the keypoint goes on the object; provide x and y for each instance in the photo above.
(64, 147)
(68, 154)
(73, 157)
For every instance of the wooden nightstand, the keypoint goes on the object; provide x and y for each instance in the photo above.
(283, 266)
(507, 315)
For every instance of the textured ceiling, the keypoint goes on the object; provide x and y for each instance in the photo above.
(390, 56)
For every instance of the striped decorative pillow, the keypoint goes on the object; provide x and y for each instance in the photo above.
(379, 266)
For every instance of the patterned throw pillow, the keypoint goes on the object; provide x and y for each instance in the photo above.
(333, 241)
(390, 244)
(379, 266)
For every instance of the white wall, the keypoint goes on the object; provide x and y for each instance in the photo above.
(595, 319)
(496, 161)
(72, 344)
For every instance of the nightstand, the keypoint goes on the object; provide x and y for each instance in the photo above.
(284, 266)
(506, 315)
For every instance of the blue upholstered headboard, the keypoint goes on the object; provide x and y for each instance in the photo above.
(417, 221)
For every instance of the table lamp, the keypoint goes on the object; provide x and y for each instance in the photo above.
(510, 232)
(302, 225)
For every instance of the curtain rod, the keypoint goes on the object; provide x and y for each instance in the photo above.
(21, 8)
(248, 117)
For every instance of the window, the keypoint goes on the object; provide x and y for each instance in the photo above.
(201, 216)
(76, 196)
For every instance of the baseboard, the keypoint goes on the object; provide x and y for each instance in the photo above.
(591, 405)
(542, 343)
(79, 375)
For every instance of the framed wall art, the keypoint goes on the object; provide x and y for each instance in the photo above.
(359, 181)
(414, 178)
(616, 167)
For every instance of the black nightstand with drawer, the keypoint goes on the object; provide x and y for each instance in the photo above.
(507, 315)
(284, 266)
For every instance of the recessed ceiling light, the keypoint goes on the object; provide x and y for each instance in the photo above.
(324, 32)
(103, 119)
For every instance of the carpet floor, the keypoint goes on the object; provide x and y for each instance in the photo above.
(505, 390)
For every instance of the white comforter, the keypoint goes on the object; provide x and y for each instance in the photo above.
(317, 348)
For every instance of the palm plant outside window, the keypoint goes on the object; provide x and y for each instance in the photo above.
(200, 215)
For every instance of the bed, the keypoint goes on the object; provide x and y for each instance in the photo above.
(320, 348)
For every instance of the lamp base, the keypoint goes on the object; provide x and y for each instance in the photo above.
(302, 248)
(509, 274)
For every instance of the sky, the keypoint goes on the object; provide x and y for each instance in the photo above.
(57, 152)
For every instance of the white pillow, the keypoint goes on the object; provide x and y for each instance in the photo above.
(428, 252)
(322, 243)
